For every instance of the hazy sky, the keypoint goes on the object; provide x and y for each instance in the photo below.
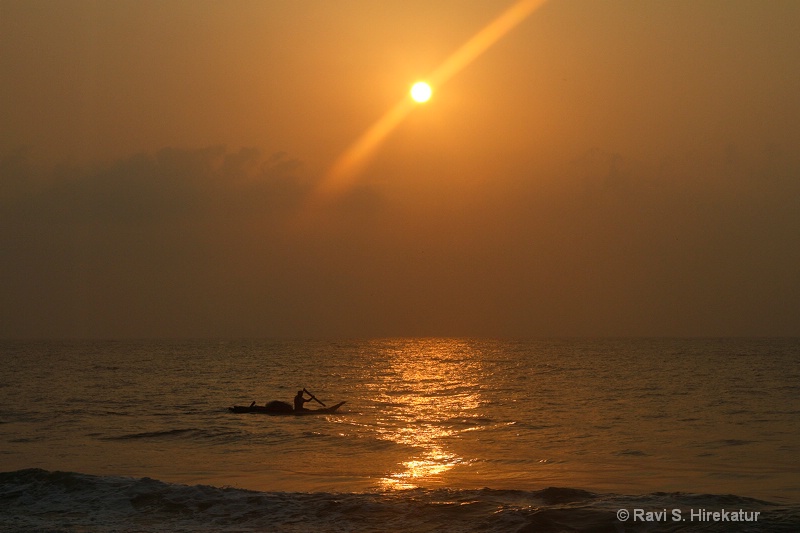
(605, 168)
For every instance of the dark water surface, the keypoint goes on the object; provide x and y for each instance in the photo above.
(436, 434)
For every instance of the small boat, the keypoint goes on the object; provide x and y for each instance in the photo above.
(282, 408)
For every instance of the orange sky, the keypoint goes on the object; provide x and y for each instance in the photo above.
(605, 168)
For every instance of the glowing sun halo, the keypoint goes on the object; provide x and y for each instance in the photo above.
(421, 92)
(345, 170)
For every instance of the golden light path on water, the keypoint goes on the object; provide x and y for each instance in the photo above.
(345, 170)
(431, 391)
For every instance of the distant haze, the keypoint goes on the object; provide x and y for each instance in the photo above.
(608, 168)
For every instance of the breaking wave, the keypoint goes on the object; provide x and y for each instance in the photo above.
(40, 500)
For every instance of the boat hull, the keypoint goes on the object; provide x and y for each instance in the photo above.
(281, 411)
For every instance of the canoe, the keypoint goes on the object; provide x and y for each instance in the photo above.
(280, 408)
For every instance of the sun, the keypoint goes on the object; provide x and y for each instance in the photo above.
(421, 92)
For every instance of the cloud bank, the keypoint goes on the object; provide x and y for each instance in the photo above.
(217, 243)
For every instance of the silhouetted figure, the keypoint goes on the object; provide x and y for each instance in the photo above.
(299, 400)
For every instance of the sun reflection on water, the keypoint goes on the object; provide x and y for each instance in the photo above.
(428, 392)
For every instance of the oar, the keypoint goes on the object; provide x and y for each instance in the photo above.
(315, 398)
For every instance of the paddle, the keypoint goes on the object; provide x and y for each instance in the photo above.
(314, 398)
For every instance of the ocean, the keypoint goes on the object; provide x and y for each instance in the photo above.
(435, 435)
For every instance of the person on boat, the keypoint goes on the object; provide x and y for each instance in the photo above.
(299, 400)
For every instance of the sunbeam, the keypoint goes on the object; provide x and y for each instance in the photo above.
(347, 167)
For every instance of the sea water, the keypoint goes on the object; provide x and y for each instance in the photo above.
(436, 435)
